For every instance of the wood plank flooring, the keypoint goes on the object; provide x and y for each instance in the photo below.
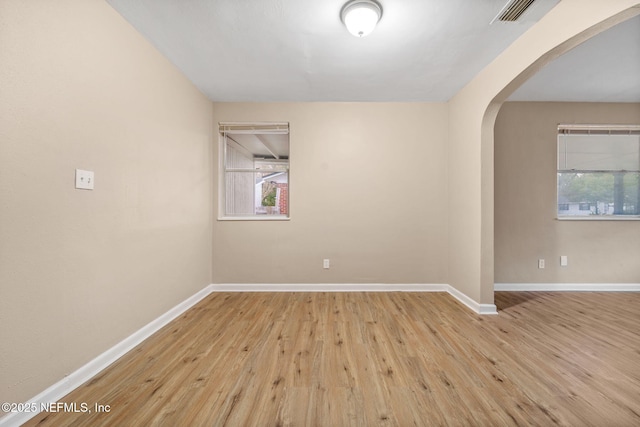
(378, 359)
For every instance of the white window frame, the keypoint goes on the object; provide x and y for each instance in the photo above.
(255, 128)
(599, 129)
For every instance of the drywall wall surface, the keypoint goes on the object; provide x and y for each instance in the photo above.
(80, 270)
(472, 113)
(367, 191)
(526, 228)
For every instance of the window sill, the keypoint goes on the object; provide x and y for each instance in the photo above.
(255, 218)
(597, 218)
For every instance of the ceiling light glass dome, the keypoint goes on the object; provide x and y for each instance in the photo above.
(361, 16)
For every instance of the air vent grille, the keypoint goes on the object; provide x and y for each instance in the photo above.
(514, 10)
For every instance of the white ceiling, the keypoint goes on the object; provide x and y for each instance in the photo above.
(605, 68)
(422, 50)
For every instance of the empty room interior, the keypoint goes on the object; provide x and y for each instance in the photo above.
(272, 212)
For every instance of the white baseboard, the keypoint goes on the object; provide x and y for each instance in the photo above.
(472, 304)
(329, 287)
(357, 287)
(86, 372)
(568, 287)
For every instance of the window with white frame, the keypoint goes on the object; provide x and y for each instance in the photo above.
(254, 166)
(598, 171)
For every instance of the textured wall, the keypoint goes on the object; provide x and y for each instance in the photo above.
(367, 191)
(525, 202)
(81, 270)
(472, 113)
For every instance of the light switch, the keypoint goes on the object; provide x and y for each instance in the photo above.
(84, 179)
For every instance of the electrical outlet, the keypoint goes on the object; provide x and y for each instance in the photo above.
(325, 263)
(540, 263)
(564, 261)
(84, 179)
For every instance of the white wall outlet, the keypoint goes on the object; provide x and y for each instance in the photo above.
(564, 261)
(84, 179)
(540, 263)
(325, 263)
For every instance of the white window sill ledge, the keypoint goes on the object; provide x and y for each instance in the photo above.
(255, 218)
(598, 218)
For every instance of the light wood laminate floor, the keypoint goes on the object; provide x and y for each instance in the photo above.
(378, 359)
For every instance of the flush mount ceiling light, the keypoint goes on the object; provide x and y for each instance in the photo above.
(361, 16)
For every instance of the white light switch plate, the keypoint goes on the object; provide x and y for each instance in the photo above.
(84, 179)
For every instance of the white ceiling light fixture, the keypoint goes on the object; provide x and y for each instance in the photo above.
(361, 16)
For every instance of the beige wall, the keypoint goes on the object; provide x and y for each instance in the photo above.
(368, 191)
(472, 113)
(525, 202)
(82, 270)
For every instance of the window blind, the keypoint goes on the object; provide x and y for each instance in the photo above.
(261, 128)
(599, 148)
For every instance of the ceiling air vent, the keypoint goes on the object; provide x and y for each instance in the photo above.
(513, 10)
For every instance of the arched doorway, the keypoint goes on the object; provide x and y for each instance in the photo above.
(472, 117)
